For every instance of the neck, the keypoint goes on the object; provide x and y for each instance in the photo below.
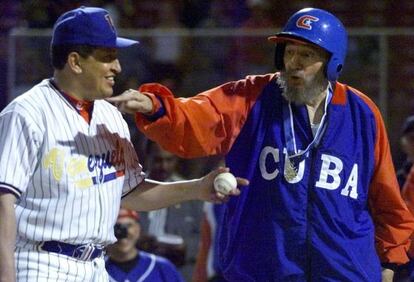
(316, 108)
(67, 85)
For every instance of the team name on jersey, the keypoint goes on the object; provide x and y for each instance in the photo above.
(85, 171)
(329, 174)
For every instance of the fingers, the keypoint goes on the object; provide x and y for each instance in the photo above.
(218, 198)
(242, 181)
(209, 193)
(131, 102)
(125, 96)
(235, 192)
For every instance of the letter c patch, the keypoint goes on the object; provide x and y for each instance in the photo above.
(306, 21)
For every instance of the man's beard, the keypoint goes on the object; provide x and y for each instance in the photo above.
(312, 88)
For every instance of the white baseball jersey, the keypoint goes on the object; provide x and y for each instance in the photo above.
(68, 175)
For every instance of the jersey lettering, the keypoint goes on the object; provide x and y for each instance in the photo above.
(329, 176)
(331, 167)
(350, 188)
(86, 172)
(274, 153)
(54, 160)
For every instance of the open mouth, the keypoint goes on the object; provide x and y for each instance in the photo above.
(110, 79)
(296, 78)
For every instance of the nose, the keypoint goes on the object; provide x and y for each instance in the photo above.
(295, 61)
(116, 66)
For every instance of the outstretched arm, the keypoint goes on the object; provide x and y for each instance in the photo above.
(203, 125)
(8, 237)
(151, 195)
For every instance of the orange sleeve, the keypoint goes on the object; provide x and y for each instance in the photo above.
(203, 125)
(394, 223)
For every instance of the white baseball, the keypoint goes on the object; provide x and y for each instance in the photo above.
(225, 182)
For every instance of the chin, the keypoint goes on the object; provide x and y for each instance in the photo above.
(105, 94)
(295, 97)
(124, 248)
(109, 93)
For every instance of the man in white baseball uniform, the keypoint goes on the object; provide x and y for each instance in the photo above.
(66, 160)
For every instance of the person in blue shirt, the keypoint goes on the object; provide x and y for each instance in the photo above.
(126, 263)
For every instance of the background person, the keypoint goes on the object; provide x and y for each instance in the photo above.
(126, 262)
(407, 146)
(405, 177)
(207, 267)
(176, 228)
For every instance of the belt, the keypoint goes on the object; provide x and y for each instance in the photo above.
(85, 252)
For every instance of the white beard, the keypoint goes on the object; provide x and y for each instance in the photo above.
(314, 86)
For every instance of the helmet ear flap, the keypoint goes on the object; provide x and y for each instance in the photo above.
(279, 53)
(333, 69)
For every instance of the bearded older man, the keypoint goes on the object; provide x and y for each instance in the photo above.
(323, 202)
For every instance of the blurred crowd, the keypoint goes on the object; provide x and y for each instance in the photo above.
(195, 63)
(247, 14)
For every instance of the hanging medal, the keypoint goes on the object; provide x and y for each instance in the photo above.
(291, 171)
(293, 155)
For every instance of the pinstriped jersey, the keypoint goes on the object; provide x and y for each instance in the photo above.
(68, 175)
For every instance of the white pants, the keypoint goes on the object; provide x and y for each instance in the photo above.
(41, 266)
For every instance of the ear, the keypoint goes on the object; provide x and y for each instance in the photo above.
(279, 53)
(74, 62)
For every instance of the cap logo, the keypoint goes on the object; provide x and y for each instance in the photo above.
(306, 21)
(109, 20)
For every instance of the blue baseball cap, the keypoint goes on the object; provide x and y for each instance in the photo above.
(88, 26)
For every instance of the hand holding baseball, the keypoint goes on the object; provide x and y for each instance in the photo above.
(225, 183)
(219, 184)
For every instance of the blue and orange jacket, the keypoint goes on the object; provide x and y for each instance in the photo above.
(338, 221)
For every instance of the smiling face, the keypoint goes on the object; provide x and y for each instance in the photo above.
(303, 78)
(98, 73)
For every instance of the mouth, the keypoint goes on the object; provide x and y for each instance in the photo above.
(295, 75)
(295, 79)
(122, 242)
(111, 80)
